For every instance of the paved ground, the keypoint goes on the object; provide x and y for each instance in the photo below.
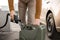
(14, 35)
(9, 36)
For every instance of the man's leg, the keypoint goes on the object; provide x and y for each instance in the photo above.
(31, 11)
(22, 11)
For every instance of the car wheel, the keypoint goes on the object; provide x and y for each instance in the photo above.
(50, 24)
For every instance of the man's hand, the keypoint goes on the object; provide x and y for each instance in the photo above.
(12, 13)
(37, 22)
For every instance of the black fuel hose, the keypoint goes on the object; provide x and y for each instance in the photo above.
(5, 22)
(15, 19)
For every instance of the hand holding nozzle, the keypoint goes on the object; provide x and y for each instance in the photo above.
(14, 17)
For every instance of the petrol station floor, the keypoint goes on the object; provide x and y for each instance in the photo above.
(14, 35)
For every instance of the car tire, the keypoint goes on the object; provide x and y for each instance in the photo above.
(50, 24)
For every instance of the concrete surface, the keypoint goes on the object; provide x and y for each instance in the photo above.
(9, 36)
(14, 34)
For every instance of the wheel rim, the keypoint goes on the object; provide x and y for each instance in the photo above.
(50, 24)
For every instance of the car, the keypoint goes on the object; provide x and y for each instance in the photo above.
(51, 11)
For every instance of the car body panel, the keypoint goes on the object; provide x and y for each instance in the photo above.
(54, 6)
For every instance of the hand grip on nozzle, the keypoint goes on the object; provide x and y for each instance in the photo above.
(16, 20)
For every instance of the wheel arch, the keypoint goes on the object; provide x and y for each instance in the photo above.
(49, 11)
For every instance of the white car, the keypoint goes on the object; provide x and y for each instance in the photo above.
(51, 15)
